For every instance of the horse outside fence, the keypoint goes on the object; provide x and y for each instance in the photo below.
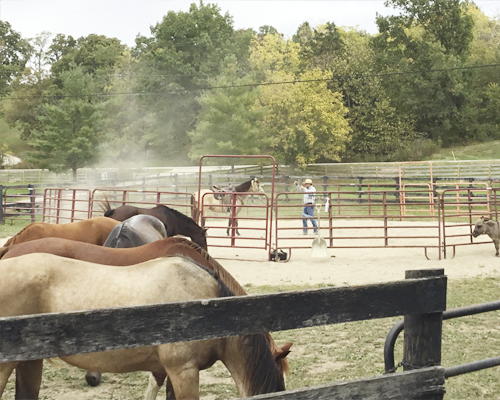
(421, 298)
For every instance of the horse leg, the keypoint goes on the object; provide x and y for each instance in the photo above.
(185, 381)
(155, 382)
(28, 379)
(236, 225)
(153, 388)
(228, 226)
(5, 371)
(93, 378)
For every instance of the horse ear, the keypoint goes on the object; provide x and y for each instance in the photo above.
(486, 219)
(284, 351)
(205, 229)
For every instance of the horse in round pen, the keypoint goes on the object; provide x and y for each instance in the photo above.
(226, 200)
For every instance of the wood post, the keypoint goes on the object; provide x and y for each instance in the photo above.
(422, 334)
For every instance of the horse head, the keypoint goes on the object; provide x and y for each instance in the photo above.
(480, 227)
(256, 187)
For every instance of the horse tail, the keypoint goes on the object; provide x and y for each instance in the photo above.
(106, 207)
(3, 250)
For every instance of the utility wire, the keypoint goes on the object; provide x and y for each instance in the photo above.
(183, 90)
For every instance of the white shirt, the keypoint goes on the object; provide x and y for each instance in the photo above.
(309, 195)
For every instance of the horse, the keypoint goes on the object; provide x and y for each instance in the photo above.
(94, 230)
(119, 257)
(136, 231)
(221, 201)
(39, 283)
(487, 226)
(175, 222)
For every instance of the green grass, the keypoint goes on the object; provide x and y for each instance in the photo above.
(479, 151)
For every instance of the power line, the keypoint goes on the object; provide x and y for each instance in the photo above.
(184, 91)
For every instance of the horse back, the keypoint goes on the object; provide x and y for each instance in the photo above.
(33, 231)
(40, 283)
(122, 213)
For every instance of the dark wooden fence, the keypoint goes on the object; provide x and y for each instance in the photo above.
(421, 298)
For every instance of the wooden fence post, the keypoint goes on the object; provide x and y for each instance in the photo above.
(422, 334)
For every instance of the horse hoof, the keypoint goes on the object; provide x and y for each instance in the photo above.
(93, 378)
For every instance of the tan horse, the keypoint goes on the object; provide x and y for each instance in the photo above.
(93, 230)
(62, 285)
(222, 202)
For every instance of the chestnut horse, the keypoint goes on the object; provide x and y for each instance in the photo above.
(94, 230)
(45, 283)
(176, 223)
(222, 201)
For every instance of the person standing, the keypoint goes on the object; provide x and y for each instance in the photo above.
(309, 198)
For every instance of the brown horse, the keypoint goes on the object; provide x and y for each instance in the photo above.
(176, 223)
(26, 386)
(222, 201)
(93, 230)
(78, 285)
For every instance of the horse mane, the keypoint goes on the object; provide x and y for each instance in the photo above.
(262, 375)
(178, 214)
(243, 187)
(224, 275)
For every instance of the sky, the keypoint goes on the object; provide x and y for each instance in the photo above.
(125, 19)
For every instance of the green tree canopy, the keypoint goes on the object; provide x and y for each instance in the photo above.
(305, 122)
(14, 54)
(229, 119)
(185, 49)
(71, 127)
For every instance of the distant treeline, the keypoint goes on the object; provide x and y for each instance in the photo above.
(195, 86)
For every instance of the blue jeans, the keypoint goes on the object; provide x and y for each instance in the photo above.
(309, 212)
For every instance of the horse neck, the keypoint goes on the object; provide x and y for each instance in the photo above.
(252, 365)
(244, 187)
(20, 236)
(176, 243)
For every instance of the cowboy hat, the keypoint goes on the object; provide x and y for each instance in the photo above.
(308, 181)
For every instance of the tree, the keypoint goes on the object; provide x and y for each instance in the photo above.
(416, 41)
(228, 122)
(184, 51)
(71, 126)
(14, 54)
(305, 121)
(97, 55)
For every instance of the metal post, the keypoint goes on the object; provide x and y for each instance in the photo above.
(31, 188)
